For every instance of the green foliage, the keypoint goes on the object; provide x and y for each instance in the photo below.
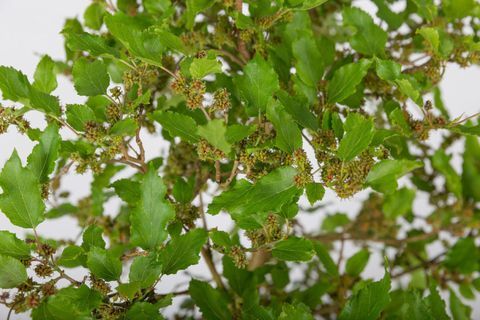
(258, 112)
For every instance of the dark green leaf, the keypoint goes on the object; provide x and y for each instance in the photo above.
(90, 78)
(104, 264)
(182, 251)
(12, 272)
(149, 219)
(21, 200)
(359, 133)
(257, 85)
(368, 302)
(42, 159)
(11, 246)
(45, 76)
(288, 135)
(293, 249)
(346, 79)
(212, 304)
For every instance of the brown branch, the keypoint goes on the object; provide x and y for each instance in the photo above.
(241, 46)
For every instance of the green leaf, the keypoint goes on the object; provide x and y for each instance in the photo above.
(21, 200)
(399, 203)
(457, 9)
(145, 270)
(72, 257)
(90, 78)
(182, 251)
(384, 174)
(127, 190)
(178, 125)
(44, 102)
(183, 191)
(93, 15)
(194, 7)
(125, 127)
(78, 115)
(441, 162)
(93, 44)
(149, 219)
(288, 136)
(42, 159)
(13, 84)
(12, 272)
(369, 39)
(257, 85)
(307, 4)
(212, 304)
(205, 66)
(269, 194)
(326, 259)
(357, 263)
(11, 246)
(388, 70)
(215, 133)
(368, 302)
(426, 9)
(359, 132)
(315, 192)
(331, 222)
(293, 249)
(471, 168)
(104, 264)
(308, 64)
(298, 311)
(436, 304)
(143, 43)
(238, 132)
(72, 303)
(143, 311)
(463, 256)
(45, 76)
(92, 237)
(345, 80)
(407, 88)
(393, 19)
(431, 36)
(458, 309)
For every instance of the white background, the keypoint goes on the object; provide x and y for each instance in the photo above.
(30, 28)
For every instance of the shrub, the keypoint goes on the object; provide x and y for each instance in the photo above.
(264, 105)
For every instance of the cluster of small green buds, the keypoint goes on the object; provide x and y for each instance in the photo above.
(9, 117)
(347, 178)
(99, 285)
(116, 92)
(45, 250)
(110, 312)
(84, 163)
(262, 161)
(45, 189)
(221, 100)
(144, 76)
(371, 220)
(193, 91)
(113, 113)
(94, 132)
(187, 214)
(207, 152)
(182, 159)
(271, 231)
(43, 269)
(237, 253)
(304, 168)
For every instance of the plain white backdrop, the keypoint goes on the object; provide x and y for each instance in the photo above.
(30, 28)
